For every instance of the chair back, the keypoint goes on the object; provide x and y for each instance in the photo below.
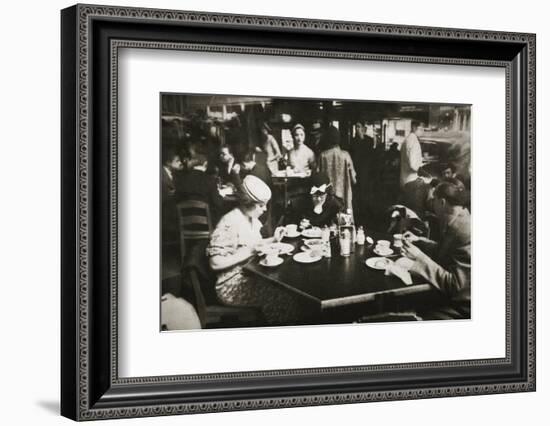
(194, 220)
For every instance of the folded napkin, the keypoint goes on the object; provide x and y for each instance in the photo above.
(400, 272)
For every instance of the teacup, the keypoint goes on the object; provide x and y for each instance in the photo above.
(272, 258)
(291, 229)
(383, 245)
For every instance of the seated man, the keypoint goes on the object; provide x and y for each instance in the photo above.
(320, 207)
(415, 195)
(228, 169)
(448, 266)
(196, 184)
(171, 167)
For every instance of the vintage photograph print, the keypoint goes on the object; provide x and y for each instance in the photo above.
(292, 211)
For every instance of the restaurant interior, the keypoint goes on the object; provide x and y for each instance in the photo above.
(372, 132)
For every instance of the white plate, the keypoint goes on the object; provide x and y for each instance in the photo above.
(305, 257)
(312, 233)
(272, 265)
(380, 263)
(280, 248)
(314, 243)
(383, 253)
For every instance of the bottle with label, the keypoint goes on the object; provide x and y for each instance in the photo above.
(351, 226)
(345, 242)
(360, 236)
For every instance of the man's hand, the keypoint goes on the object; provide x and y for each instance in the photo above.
(411, 251)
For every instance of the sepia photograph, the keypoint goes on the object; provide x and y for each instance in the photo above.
(290, 211)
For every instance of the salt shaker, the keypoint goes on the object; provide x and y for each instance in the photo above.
(360, 236)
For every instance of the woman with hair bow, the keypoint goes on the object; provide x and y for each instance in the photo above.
(320, 207)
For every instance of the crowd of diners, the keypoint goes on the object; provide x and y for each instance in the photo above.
(432, 211)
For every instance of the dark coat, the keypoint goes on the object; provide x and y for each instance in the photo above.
(198, 185)
(302, 208)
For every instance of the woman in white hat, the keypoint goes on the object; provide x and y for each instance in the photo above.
(233, 242)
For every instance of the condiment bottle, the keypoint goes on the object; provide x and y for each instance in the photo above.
(360, 236)
(345, 243)
(351, 225)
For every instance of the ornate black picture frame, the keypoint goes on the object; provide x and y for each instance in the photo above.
(91, 37)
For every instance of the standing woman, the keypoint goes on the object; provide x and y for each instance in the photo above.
(338, 166)
(271, 148)
(301, 158)
(233, 243)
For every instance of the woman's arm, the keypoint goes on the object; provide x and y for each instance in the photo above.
(220, 262)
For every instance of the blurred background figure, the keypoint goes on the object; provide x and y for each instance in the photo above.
(229, 169)
(301, 158)
(271, 148)
(338, 166)
(315, 138)
(196, 184)
(171, 166)
(411, 155)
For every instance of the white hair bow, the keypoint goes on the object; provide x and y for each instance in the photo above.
(321, 188)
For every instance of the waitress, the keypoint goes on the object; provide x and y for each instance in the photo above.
(301, 158)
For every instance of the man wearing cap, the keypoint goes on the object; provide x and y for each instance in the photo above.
(320, 206)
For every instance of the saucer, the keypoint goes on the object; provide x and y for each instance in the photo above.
(306, 257)
(383, 252)
(280, 248)
(380, 263)
(312, 233)
(293, 235)
(279, 261)
(314, 243)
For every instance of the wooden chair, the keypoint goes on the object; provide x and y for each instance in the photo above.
(212, 314)
(194, 221)
(215, 315)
